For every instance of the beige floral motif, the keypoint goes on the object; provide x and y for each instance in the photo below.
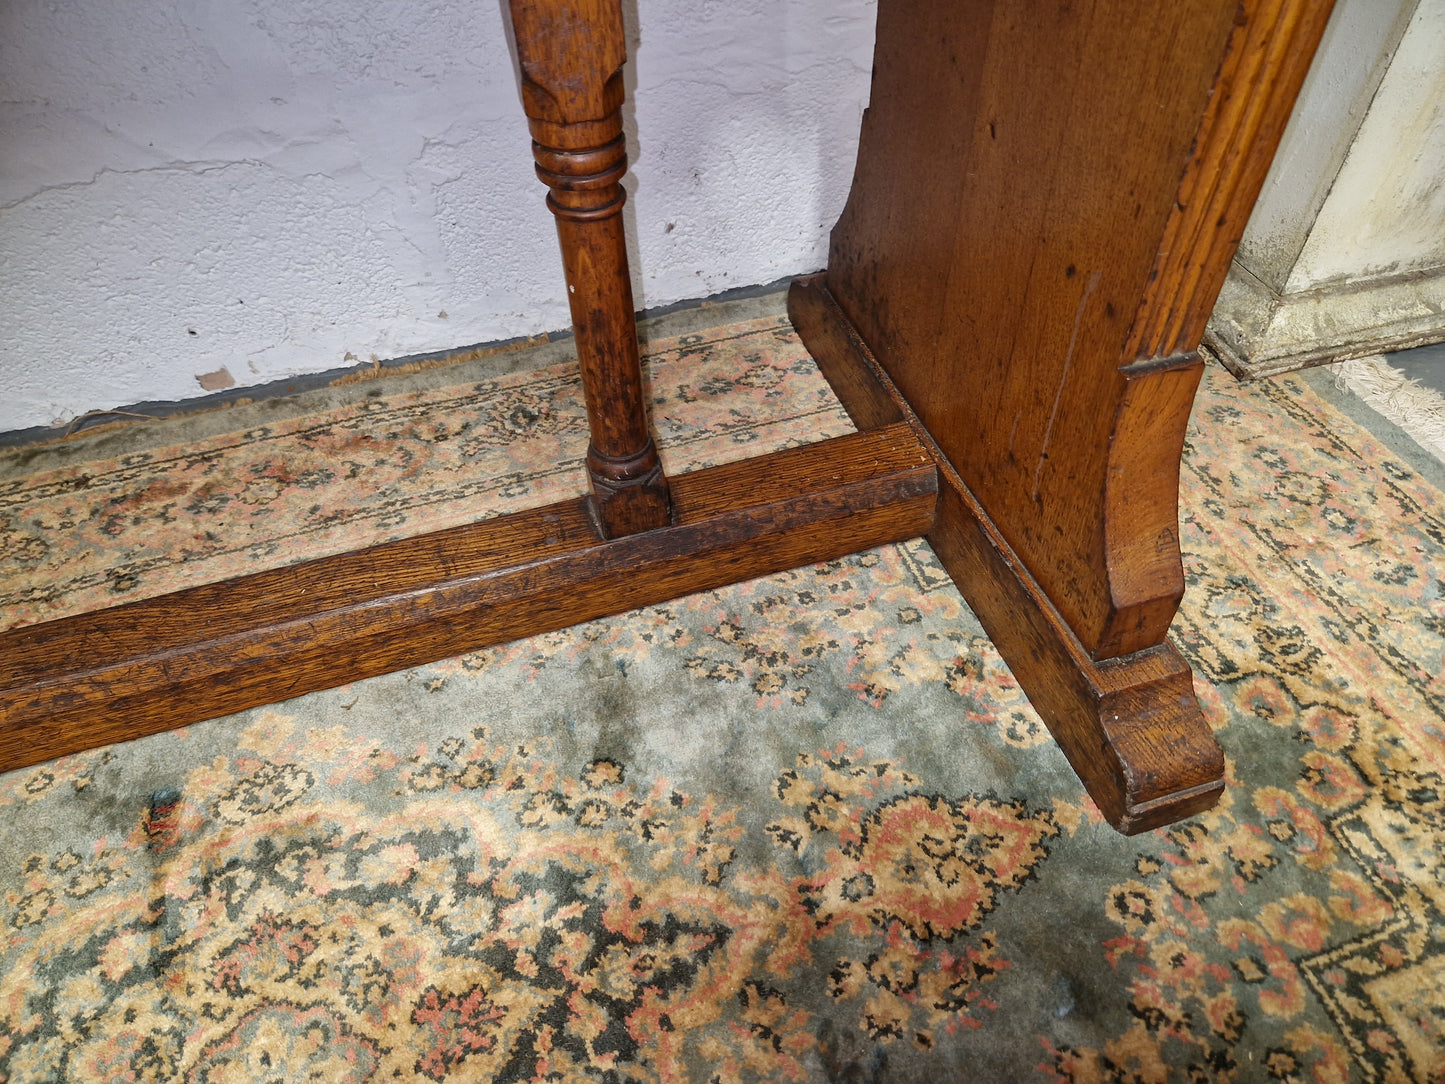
(923, 870)
(270, 788)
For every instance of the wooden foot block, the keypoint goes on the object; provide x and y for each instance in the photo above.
(151, 665)
(1130, 726)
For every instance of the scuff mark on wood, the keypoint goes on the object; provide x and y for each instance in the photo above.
(1064, 377)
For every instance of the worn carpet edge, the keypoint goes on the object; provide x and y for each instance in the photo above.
(1416, 409)
(1322, 382)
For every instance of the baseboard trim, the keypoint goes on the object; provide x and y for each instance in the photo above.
(1256, 331)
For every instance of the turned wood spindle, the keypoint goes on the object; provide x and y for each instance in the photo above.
(571, 54)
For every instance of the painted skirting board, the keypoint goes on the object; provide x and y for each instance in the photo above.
(1256, 331)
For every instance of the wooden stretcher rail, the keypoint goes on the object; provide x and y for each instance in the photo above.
(151, 665)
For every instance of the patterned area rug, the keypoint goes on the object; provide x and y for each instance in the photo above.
(806, 828)
(139, 511)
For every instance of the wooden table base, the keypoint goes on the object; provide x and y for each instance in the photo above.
(1130, 726)
(151, 665)
(1047, 198)
(1046, 202)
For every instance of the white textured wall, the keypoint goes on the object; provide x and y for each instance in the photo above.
(1352, 59)
(1385, 214)
(191, 185)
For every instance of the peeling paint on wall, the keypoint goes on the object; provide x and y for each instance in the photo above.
(220, 380)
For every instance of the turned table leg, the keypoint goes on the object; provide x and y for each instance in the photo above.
(571, 54)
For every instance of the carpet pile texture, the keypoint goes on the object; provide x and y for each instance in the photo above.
(806, 828)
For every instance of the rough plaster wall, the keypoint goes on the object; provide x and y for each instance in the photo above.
(1386, 212)
(272, 189)
(1351, 61)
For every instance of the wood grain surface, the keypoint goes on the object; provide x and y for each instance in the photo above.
(1045, 204)
(571, 54)
(147, 666)
(1130, 726)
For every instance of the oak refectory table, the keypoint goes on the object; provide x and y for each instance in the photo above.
(1047, 197)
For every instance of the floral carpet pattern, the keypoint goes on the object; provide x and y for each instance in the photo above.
(171, 513)
(805, 828)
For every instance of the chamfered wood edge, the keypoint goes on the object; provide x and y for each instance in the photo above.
(1130, 726)
(1265, 62)
(841, 355)
(152, 665)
